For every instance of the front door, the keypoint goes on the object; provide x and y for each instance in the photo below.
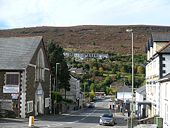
(39, 101)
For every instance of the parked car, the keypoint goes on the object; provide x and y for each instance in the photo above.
(91, 105)
(107, 119)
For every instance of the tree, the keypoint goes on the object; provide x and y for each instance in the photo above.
(64, 77)
(92, 87)
(92, 95)
(56, 98)
(123, 69)
(101, 70)
(55, 55)
(109, 91)
(140, 69)
(86, 66)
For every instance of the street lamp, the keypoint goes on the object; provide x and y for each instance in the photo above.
(56, 82)
(131, 31)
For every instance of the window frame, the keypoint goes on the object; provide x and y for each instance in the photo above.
(12, 73)
(40, 66)
(30, 106)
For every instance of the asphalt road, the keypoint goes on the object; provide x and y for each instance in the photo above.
(84, 118)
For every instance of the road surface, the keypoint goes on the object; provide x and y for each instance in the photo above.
(84, 118)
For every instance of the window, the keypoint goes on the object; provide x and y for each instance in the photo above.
(166, 97)
(47, 102)
(163, 71)
(40, 67)
(166, 113)
(12, 78)
(29, 106)
(163, 58)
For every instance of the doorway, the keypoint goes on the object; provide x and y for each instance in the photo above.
(39, 100)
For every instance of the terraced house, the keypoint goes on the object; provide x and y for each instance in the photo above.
(24, 76)
(157, 76)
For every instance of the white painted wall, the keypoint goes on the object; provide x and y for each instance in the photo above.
(148, 55)
(139, 98)
(165, 103)
(74, 92)
(167, 64)
(155, 91)
(124, 95)
(152, 85)
(23, 95)
(151, 52)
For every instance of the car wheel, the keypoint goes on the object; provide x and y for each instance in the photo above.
(100, 123)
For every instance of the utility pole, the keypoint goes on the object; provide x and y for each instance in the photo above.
(132, 106)
(56, 80)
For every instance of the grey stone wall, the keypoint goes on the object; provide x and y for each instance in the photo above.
(2, 79)
(32, 86)
(1, 83)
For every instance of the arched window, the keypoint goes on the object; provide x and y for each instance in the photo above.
(40, 66)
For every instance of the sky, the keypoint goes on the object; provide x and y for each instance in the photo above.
(32, 13)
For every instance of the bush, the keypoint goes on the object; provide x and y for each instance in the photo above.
(56, 96)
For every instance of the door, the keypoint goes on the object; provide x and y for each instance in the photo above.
(39, 101)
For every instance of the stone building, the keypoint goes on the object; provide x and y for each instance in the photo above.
(24, 76)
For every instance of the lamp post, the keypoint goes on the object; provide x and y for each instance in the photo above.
(131, 31)
(56, 82)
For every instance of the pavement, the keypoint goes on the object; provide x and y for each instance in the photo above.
(3, 120)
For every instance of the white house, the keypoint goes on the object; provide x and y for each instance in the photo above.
(158, 58)
(75, 93)
(141, 102)
(165, 100)
(124, 93)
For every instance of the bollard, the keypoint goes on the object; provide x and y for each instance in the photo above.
(31, 121)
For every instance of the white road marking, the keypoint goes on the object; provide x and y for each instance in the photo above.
(88, 115)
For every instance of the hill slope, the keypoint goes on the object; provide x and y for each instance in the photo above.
(92, 38)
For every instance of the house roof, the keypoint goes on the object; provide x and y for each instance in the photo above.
(141, 90)
(124, 89)
(165, 49)
(165, 78)
(160, 37)
(77, 70)
(17, 52)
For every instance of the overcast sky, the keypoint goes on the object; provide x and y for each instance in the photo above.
(31, 13)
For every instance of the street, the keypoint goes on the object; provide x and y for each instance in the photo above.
(84, 118)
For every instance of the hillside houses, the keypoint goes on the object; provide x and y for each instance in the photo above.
(157, 76)
(82, 56)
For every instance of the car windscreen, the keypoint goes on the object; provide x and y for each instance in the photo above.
(107, 115)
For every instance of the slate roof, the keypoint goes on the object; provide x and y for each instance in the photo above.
(160, 37)
(16, 52)
(165, 49)
(165, 78)
(124, 89)
(141, 90)
(77, 70)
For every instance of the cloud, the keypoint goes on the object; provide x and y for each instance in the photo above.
(25, 13)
